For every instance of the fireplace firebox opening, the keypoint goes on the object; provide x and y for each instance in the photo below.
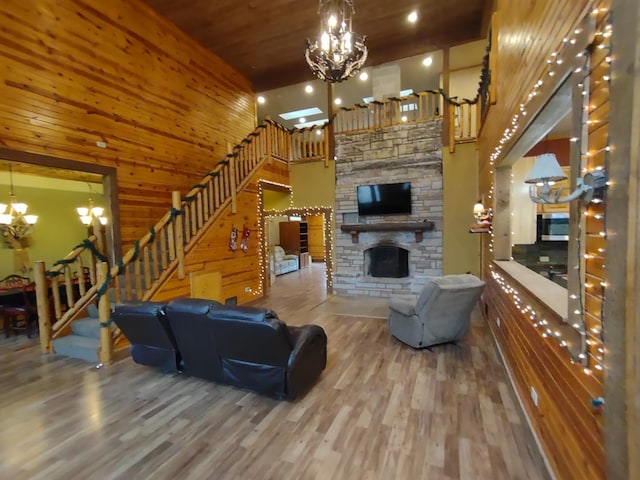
(386, 261)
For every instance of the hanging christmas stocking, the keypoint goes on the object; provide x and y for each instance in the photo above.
(245, 237)
(233, 241)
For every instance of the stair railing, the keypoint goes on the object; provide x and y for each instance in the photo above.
(464, 122)
(153, 258)
(413, 108)
(66, 283)
(309, 144)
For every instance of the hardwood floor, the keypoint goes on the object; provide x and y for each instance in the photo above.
(381, 410)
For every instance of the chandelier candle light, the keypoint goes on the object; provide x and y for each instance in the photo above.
(340, 52)
(15, 222)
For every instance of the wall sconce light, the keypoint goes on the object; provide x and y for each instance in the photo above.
(478, 210)
(546, 171)
(483, 218)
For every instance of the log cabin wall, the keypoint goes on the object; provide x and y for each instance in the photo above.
(80, 71)
(568, 427)
(239, 270)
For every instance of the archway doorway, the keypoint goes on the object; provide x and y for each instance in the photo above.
(322, 215)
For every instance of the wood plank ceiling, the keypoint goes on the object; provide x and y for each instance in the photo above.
(265, 40)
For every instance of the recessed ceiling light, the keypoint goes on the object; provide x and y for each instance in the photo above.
(364, 76)
(308, 89)
(427, 61)
(302, 120)
(261, 99)
(413, 17)
(338, 101)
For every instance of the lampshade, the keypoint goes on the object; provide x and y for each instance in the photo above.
(478, 209)
(92, 212)
(545, 169)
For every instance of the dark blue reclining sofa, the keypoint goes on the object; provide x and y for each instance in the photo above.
(243, 346)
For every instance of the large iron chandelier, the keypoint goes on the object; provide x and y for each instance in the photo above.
(340, 53)
(14, 222)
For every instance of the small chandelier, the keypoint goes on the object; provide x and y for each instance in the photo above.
(340, 53)
(88, 215)
(15, 222)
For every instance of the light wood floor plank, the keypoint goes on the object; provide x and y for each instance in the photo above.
(380, 411)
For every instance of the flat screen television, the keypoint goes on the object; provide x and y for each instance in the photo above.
(384, 199)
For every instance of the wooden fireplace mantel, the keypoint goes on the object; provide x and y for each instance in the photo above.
(417, 227)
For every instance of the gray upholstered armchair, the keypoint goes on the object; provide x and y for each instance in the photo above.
(441, 314)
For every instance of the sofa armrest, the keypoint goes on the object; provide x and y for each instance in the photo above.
(290, 257)
(402, 306)
(302, 338)
(307, 359)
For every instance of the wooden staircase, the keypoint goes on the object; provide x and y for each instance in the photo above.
(158, 255)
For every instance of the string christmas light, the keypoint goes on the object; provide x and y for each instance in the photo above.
(325, 211)
(592, 354)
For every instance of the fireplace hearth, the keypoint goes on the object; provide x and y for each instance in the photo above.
(386, 261)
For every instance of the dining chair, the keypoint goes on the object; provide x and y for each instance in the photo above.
(17, 305)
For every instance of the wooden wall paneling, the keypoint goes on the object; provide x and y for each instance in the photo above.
(570, 430)
(622, 316)
(316, 237)
(567, 426)
(76, 72)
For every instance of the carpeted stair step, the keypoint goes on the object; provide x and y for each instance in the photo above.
(86, 327)
(75, 346)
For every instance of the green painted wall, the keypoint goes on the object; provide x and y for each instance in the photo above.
(58, 228)
(461, 249)
(274, 200)
(314, 185)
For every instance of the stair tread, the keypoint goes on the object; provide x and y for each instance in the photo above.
(76, 346)
(86, 327)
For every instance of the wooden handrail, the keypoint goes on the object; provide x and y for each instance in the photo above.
(175, 231)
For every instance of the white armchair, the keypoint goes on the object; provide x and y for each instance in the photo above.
(285, 263)
(441, 314)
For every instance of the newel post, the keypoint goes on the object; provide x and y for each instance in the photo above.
(104, 316)
(452, 128)
(269, 133)
(42, 303)
(179, 233)
(232, 178)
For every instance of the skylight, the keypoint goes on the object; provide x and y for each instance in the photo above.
(403, 93)
(307, 112)
(312, 123)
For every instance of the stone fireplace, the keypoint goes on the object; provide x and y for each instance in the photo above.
(391, 261)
